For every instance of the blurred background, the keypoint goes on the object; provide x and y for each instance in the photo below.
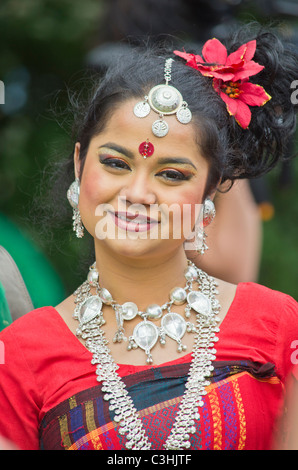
(45, 46)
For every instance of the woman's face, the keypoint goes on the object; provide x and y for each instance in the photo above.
(138, 206)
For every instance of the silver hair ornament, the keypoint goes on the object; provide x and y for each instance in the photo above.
(164, 100)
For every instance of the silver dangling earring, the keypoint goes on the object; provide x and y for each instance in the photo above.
(73, 195)
(208, 215)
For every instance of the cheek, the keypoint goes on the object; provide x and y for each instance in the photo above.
(189, 202)
(93, 188)
(185, 213)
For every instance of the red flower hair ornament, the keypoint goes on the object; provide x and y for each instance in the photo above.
(230, 75)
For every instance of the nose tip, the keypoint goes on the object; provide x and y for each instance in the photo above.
(138, 194)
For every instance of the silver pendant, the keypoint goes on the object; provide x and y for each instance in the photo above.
(165, 99)
(145, 335)
(141, 109)
(160, 128)
(184, 115)
(89, 309)
(174, 326)
(200, 303)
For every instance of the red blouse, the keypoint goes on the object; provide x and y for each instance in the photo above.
(50, 397)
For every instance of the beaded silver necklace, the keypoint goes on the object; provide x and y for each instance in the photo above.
(88, 312)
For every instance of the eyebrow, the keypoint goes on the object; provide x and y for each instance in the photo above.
(173, 160)
(161, 161)
(119, 149)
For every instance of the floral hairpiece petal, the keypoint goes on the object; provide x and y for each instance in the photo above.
(254, 95)
(248, 70)
(244, 53)
(236, 108)
(215, 52)
(217, 72)
(237, 97)
(230, 75)
(191, 59)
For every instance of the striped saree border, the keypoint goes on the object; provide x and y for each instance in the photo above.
(84, 421)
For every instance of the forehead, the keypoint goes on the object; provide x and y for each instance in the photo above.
(124, 126)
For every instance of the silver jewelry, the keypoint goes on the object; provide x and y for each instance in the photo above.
(73, 194)
(164, 100)
(209, 213)
(145, 335)
(88, 312)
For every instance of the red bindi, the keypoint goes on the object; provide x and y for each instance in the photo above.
(146, 149)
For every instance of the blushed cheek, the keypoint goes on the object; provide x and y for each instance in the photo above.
(92, 194)
(185, 213)
(92, 188)
(190, 201)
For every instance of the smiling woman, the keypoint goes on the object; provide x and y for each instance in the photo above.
(114, 174)
(151, 352)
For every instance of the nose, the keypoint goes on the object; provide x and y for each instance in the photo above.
(138, 190)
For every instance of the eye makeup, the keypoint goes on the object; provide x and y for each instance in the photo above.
(111, 158)
(173, 175)
(114, 156)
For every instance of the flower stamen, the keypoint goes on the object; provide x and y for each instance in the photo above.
(231, 89)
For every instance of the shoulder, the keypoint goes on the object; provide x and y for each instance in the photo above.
(265, 306)
(31, 327)
(272, 317)
(265, 298)
(37, 341)
(253, 303)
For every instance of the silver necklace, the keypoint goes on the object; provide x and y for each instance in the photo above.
(88, 312)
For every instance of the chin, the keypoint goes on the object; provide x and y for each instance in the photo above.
(136, 249)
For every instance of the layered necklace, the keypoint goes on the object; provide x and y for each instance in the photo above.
(202, 301)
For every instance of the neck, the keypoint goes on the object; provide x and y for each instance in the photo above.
(143, 281)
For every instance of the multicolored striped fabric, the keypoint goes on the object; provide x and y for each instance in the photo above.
(84, 421)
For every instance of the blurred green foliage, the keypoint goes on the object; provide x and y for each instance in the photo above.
(279, 266)
(43, 45)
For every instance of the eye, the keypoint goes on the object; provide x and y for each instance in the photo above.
(114, 163)
(174, 175)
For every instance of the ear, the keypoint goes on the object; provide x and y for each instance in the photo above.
(76, 157)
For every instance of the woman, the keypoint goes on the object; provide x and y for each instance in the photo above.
(150, 352)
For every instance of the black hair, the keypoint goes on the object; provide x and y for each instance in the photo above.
(233, 152)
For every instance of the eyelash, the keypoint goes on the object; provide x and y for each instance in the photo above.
(119, 164)
(115, 163)
(176, 175)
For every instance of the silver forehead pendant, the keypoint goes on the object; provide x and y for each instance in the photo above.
(164, 100)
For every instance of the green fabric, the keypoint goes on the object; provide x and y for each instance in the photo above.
(43, 283)
(5, 317)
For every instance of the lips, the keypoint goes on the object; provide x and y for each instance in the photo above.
(134, 222)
